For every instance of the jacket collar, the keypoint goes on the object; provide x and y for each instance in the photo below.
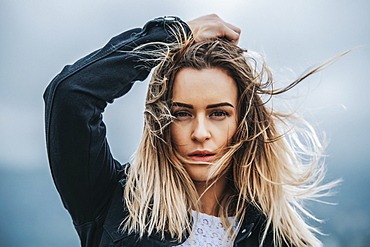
(251, 219)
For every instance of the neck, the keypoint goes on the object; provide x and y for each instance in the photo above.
(210, 195)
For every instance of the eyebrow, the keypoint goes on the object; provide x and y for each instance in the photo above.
(219, 105)
(179, 104)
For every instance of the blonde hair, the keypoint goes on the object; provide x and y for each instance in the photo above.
(273, 164)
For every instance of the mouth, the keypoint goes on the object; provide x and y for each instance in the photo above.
(202, 156)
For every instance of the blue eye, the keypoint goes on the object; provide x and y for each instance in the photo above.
(219, 114)
(181, 115)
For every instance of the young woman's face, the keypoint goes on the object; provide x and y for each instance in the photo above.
(204, 105)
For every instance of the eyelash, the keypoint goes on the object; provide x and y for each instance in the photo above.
(178, 113)
(223, 113)
(216, 113)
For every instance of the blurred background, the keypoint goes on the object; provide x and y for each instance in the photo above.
(39, 37)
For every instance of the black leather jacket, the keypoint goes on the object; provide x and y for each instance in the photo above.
(88, 179)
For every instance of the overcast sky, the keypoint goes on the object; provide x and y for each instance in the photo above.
(39, 37)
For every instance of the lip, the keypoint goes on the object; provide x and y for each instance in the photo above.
(202, 156)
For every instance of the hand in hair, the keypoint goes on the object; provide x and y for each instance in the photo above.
(212, 27)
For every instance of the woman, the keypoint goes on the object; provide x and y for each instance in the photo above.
(214, 166)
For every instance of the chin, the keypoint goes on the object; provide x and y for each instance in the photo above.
(198, 172)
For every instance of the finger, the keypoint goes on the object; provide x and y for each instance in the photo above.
(229, 34)
(234, 28)
(233, 37)
(211, 27)
(232, 33)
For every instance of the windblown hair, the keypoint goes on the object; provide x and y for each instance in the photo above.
(273, 164)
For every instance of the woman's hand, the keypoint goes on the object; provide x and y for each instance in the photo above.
(212, 27)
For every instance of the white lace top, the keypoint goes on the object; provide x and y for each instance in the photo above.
(207, 232)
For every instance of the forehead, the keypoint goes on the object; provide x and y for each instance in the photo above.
(211, 85)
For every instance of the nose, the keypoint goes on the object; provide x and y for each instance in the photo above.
(200, 131)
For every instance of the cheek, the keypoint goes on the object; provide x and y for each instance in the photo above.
(232, 130)
(227, 132)
(178, 136)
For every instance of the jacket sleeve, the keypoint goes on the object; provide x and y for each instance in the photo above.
(82, 166)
